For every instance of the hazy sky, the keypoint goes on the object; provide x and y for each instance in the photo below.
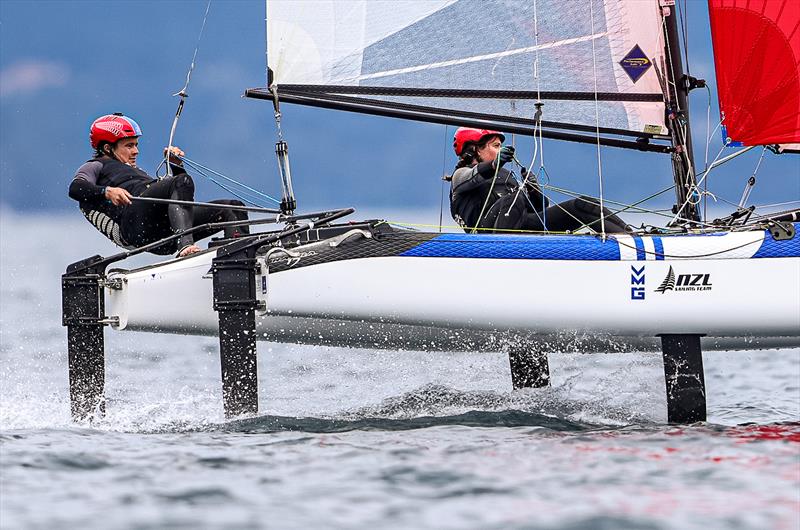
(63, 63)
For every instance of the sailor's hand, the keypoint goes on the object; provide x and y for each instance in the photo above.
(174, 153)
(118, 196)
(506, 154)
(187, 250)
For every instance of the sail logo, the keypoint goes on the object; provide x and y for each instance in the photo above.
(637, 283)
(636, 63)
(685, 282)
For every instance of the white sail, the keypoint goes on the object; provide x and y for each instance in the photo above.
(578, 46)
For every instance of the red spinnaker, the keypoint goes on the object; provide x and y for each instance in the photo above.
(757, 59)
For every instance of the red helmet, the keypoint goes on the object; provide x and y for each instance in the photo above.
(468, 134)
(111, 128)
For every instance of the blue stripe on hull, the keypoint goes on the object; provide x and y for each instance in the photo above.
(640, 255)
(659, 246)
(581, 248)
(780, 249)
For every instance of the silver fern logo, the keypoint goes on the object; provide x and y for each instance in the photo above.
(669, 282)
(684, 282)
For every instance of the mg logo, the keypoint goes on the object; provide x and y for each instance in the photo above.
(637, 283)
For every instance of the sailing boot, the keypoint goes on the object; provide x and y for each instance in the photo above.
(180, 220)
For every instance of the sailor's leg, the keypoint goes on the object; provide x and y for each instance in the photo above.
(207, 214)
(573, 214)
(143, 222)
(507, 213)
(529, 366)
(590, 208)
(179, 217)
(683, 373)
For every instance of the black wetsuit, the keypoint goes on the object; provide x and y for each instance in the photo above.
(510, 208)
(141, 222)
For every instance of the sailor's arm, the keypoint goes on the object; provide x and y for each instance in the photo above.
(468, 178)
(84, 186)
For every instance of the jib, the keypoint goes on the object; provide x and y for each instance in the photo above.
(694, 279)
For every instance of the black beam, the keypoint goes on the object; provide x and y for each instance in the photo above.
(535, 95)
(423, 109)
(529, 368)
(234, 272)
(311, 101)
(82, 312)
(683, 373)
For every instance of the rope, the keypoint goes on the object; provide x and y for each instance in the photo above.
(489, 194)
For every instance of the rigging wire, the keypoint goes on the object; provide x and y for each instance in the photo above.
(597, 125)
(199, 167)
(705, 160)
(752, 180)
(183, 94)
(238, 195)
(538, 144)
(444, 167)
(683, 13)
(625, 206)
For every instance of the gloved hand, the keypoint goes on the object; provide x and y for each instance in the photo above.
(506, 154)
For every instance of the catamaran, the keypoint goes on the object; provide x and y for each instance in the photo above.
(603, 72)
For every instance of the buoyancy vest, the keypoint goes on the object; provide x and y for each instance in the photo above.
(465, 206)
(118, 175)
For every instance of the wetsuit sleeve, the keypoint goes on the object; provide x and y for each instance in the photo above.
(84, 185)
(468, 178)
(177, 170)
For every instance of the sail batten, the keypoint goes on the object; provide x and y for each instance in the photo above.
(437, 45)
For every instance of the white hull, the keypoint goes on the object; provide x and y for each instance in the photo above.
(475, 303)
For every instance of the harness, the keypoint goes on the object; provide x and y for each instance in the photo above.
(106, 226)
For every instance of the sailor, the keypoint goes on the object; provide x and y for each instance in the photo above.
(485, 196)
(108, 181)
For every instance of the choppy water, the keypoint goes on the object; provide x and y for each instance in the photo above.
(364, 439)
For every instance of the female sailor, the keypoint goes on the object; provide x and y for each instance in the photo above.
(107, 183)
(486, 196)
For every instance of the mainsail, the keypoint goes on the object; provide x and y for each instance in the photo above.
(757, 59)
(595, 64)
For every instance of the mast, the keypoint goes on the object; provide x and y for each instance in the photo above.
(677, 90)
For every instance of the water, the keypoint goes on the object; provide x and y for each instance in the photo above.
(363, 439)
